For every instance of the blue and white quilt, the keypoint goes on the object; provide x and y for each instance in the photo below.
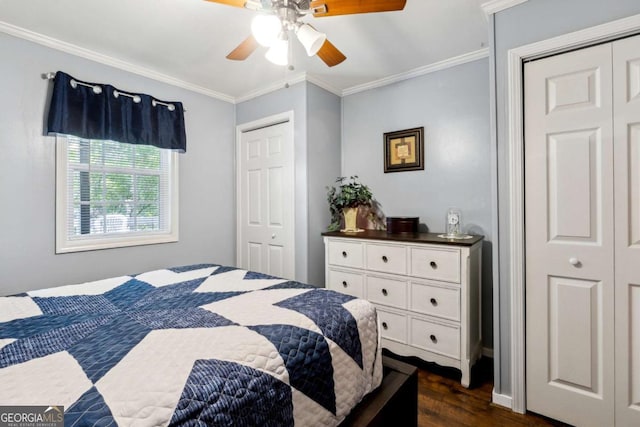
(202, 345)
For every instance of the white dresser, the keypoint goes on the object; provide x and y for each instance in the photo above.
(426, 290)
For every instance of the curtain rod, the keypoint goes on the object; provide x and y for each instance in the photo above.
(116, 93)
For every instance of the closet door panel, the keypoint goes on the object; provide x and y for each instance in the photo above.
(632, 401)
(626, 68)
(574, 337)
(573, 194)
(569, 237)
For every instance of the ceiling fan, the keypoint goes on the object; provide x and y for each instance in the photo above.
(279, 17)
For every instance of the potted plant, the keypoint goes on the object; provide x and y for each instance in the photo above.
(344, 201)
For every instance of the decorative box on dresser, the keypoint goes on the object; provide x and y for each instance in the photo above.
(426, 290)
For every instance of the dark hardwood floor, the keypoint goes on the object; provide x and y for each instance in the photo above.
(443, 402)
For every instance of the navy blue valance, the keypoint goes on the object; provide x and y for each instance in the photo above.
(99, 111)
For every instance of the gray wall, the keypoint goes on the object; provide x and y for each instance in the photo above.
(323, 166)
(316, 126)
(530, 22)
(27, 177)
(453, 107)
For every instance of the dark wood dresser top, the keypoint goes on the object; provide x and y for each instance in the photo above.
(405, 237)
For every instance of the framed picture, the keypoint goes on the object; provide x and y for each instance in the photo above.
(404, 150)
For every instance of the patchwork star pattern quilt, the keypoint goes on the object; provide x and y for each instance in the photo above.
(200, 345)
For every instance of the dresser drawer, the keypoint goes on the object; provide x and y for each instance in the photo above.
(436, 264)
(348, 254)
(435, 337)
(435, 300)
(387, 258)
(387, 291)
(393, 326)
(347, 283)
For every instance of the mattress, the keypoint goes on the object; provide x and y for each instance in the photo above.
(196, 345)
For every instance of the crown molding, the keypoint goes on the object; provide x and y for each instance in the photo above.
(91, 55)
(495, 6)
(324, 85)
(280, 84)
(286, 82)
(421, 71)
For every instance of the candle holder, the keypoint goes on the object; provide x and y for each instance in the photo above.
(453, 223)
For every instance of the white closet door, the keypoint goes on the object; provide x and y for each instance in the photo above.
(266, 201)
(569, 237)
(626, 69)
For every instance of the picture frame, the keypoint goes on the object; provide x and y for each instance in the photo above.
(404, 150)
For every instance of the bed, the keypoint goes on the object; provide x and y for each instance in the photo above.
(196, 345)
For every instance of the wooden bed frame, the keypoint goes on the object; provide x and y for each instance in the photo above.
(395, 402)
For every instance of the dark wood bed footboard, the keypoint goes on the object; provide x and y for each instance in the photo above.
(395, 402)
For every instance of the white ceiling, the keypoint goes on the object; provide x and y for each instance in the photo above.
(187, 40)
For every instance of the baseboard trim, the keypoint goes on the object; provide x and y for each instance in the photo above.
(501, 399)
(487, 352)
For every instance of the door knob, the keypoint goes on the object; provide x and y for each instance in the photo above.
(575, 262)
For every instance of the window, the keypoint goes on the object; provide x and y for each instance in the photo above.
(110, 194)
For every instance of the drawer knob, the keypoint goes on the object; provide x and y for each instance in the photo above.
(344, 283)
(434, 302)
(384, 292)
(433, 265)
(384, 258)
(344, 254)
(385, 326)
(433, 338)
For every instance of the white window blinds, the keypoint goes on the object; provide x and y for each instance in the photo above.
(112, 194)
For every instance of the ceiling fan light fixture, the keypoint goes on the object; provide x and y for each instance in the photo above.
(278, 53)
(310, 38)
(265, 29)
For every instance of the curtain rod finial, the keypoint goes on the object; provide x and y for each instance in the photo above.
(48, 76)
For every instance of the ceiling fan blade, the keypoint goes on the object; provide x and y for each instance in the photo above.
(346, 7)
(235, 3)
(330, 54)
(244, 49)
